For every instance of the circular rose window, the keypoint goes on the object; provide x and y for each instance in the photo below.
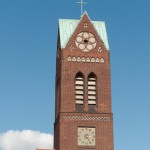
(85, 41)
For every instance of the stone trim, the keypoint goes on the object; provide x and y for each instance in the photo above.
(86, 60)
(86, 118)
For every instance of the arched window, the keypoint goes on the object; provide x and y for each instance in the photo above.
(79, 88)
(92, 89)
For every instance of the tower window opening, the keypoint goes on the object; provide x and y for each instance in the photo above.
(79, 93)
(91, 90)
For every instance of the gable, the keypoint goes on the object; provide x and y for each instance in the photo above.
(67, 28)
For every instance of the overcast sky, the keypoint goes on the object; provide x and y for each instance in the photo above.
(28, 37)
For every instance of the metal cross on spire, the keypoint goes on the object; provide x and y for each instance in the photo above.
(82, 3)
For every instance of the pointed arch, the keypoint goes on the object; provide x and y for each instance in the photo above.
(79, 88)
(92, 89)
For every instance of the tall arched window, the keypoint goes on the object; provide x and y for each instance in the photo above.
(92, 89)
(79, 88)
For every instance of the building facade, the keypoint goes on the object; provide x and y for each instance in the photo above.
(83, 113)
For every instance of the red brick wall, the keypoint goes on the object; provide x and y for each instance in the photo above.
(68, 119)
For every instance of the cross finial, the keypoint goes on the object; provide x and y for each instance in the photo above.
(82, 3)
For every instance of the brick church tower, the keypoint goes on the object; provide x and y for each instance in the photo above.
(83, 116)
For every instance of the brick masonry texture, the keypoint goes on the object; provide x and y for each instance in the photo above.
(67, 117)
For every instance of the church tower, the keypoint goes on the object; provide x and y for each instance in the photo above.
(83, 116)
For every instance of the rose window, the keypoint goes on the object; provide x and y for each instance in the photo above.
(85, 41)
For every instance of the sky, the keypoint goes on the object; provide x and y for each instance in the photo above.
(28, 40)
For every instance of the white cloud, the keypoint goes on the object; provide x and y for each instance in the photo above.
(25, 140)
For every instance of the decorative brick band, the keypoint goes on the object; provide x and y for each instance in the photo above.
(83, 59)
(87, 118)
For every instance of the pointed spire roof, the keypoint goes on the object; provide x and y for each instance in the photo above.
(85, 13)
(67, 27)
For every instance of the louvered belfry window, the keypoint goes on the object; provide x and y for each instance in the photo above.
(79, 88)
(92, 89)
